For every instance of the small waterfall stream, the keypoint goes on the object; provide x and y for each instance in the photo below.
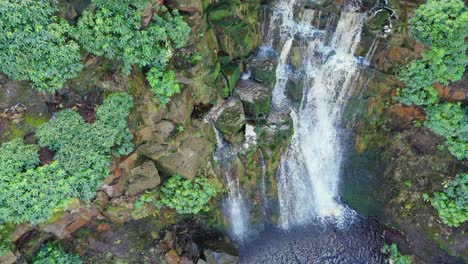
(308, 177)
(234, 206)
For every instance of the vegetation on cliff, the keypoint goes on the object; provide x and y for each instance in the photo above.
(452, 202)
(35, 46)
(441, 25)
(51, 253)
(80, 163)
(187, 197)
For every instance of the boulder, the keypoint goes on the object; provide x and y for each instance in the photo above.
(213, 257)
(119, 214)
(191, 152)
(75, 216)
(263, 66)
(155, 151)
(232, 118)
(255, 98)
(142, 178)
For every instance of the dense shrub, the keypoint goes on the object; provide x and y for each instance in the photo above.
(53, 254)
(452, 202)
(442, 26)
(187, 197)
(163, 85)
(450, 121)
(439, 22)
(31, 194)
(394, 255)
(115, 31)
(34, 46)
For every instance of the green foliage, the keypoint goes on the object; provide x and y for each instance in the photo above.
(450, 121)
(163, 85)
(34, 46)
(79, 166)
(394, 255)
(115, 31)
(452, 203)
(5, 244)
(439, 22)
(15, 157)
(418, 80)
(187, 197)
(54, 254)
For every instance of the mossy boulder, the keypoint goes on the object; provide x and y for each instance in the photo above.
(255, 98)
(232, 118)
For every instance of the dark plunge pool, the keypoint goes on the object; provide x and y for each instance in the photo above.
(359, 242)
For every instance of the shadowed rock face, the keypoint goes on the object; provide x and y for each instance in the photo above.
(359, 243)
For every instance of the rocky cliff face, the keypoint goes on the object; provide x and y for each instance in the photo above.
(390, 135)
(392, 161)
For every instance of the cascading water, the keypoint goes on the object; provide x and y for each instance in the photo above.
(234, 206)
(308, 176)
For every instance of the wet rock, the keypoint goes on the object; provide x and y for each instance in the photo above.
(255, 98)
(295, 86)
(263, 66)
(172, 257)
(119, 214)
(401, 117)
(163, 130)
(232, 74)
(143, 177)
(232, 118)
(213, 257)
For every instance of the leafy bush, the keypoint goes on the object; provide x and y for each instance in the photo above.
(31, 194)
(439, 22)
(34, 46)
(115, 30)
(394, 255)
(187, 197)
(163, 85)
(54, 254)
(450, 121)
(452, 203)
(418, 89)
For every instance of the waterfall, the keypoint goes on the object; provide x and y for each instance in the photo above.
(308, 175)
(234, 206)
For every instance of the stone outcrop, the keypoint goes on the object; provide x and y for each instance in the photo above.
(232, 118)
(141, 178)
(255, 98)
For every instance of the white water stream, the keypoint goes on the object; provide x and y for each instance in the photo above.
(308, 177)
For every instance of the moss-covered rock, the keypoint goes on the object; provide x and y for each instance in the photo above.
(232, 118)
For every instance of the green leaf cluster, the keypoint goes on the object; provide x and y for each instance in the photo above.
(187, 197)
(29, 193)
(452, 203)
(117, 30)
(450, 121)
(394, 255)
(51, 253)
(441, 25)
(34, 45)
(163, 85)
